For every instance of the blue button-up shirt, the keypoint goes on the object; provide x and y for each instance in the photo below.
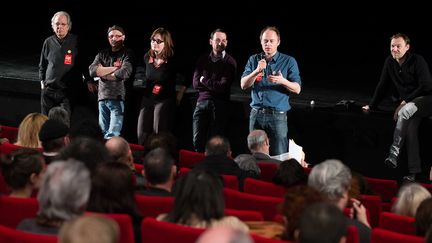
(266, 94)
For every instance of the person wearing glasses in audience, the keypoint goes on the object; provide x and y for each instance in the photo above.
(213, 76)
(112, 67)
(273, 76)
(61, 69)
(160, 77)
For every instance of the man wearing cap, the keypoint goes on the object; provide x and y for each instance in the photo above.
(112, 67)
(54, 136)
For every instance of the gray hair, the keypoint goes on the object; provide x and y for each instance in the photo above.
(60, 114)
(65, 190)
(332, 178)
(69, 20)
(247, 162)
(255, 139)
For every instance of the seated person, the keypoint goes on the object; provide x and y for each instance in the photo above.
(290, 173)
(28, 130)
(423, 218)
(409, 198)
(248, 163)
(90, 229)
(22, 171)
(159, 172)
(322, 223)
(63, 196)
(259, 145)
(199, 203)
(54, 136)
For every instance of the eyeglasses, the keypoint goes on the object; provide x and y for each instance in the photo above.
(156, 40)
(112, 36)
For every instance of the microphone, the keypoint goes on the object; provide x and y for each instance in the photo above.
(262, 71)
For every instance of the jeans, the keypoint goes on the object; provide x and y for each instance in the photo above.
(209, 119)
(275, 124)
(409, 118)
(111, 117)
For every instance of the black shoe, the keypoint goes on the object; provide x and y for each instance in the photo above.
(409, 178)
(391, 162)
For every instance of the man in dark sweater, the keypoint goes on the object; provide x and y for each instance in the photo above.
(60, 69)
(213, 76)
(409, 74)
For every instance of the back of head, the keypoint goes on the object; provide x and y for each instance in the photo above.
(158, 166)
(423, 217)
(52, 135)
(224, 235)
(64, 192)
(91, 152)
(18, 167)
(256, 139)
(332, 178)
(218, 145)
(290, 173)
(322, 223)
(60, 114)
(165, 140)
(112, 189)
(200, 194)
(296, 200)
(28, 130)
(247, 162)
(409, 198)
(89, 229)
(119, 149)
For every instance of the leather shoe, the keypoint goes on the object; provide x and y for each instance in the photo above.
(391, 162)
(409, 178)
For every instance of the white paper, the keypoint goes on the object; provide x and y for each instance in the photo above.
(295, 152)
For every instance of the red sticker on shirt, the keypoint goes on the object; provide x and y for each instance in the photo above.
(157, 89)
(259, 77)
(68, 59)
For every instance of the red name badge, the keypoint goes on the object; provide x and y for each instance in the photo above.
(118, 63)
(157, 89)
(259, 77)
(68, 59)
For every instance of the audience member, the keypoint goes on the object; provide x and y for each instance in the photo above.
(359, 186)
(90, 229)
(296, 200)
(322, 223)
(28, 130)
(86, 128)
(159, 172)
(224, 235)
(54, 136)
(60, 114)
(333, 179)
(87, 150)
(259, 145)
(218, 160)
(113, 192)
(199, 203)
(290, 173)
(165, 140)
(409, 198)
(120, 151)
(22, 171)
(248, 163)
(423, 217)
(63, 196)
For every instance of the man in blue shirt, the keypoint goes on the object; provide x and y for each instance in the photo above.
(272, 76)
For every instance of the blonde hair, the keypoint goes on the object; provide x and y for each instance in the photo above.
(89, 229)
(409, 198)
(28, 130)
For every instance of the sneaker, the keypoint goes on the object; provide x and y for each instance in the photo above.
(409, 178)
(391, 162)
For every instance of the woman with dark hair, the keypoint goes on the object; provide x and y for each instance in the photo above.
(160, 75)
(290, 173)
(113, 192)
(22, 171)
(199, 203)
